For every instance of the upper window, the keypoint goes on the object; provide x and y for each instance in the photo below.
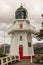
(20, 38)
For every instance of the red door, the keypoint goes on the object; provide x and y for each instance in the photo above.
(21, 51)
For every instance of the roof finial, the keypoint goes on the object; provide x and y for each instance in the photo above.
(21, 5)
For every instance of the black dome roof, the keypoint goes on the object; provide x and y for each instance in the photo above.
(21, 13)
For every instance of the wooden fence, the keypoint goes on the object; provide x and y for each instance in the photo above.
(8, 59)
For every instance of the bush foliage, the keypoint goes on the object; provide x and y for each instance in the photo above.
(2, 55)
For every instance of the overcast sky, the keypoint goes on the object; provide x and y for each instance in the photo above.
(7, 15)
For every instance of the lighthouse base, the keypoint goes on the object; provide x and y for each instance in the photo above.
(26, 57)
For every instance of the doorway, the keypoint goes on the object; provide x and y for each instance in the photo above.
(21, 51)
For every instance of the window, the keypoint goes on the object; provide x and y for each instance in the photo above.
(20, 38)
(21, 25)
(29, 44)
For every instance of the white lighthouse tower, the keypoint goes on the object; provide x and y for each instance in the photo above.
(21, 31)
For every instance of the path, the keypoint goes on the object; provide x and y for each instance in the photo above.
(25, 62)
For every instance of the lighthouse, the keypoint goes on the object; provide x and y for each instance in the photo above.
(21, 35)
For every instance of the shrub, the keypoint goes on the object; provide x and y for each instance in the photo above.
(2, 55)
(41, 58)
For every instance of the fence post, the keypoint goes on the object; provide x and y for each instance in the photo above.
(2, 61)
(7, 60)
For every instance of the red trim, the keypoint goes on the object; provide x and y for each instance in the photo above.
(21, 51)
(21, 25)
(26, 57)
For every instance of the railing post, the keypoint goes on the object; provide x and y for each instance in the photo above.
(19, 58)
(2, 61)
(7, 60)
(11, 59)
